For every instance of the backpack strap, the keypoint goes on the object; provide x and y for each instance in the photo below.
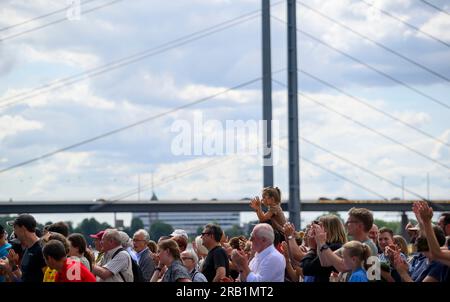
(114, 255)
(194, 274)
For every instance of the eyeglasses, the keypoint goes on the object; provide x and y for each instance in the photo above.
(206, 233)
(186, 258)
(137, 240)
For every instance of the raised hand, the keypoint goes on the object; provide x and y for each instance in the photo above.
(13, 258)
(255, 203)
(288, 229)
(319, 234)
(423, 212)
(391, 251)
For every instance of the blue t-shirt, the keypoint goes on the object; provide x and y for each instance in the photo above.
(4, 249)
(359, 275)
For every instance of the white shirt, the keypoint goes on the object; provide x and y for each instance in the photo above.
(267, 266)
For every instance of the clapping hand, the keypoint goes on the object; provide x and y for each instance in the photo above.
(288, 229)
(284, 249)
(255, 203)
(391, 250)
(239, 258)
(319, 234)
(400, 265)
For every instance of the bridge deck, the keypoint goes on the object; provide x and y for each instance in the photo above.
(201, 206)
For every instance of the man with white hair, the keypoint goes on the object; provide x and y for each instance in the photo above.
(116, 263)
(267, 265)
(142, 254)
(190, 261)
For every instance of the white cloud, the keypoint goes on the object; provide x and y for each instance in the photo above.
(12, 125)
(196, 92)
(438, 26)
(75, 59)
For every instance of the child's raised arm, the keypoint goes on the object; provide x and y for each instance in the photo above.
(255, 204)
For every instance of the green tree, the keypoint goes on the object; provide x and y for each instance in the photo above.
(235, 231)
(331, 213)
(158, 229)
(395, 226)
(70, 225)
(136, 224)
(90, 226)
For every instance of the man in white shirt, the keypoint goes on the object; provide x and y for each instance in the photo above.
(267, 265)
(116, 263)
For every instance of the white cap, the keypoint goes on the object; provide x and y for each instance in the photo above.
(180, 232)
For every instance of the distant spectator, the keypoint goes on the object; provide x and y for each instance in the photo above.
(423, 268)
(141, 239)
(355, 255)
(50, 273)
(430, 264)
(200, 250)
(181, 241)
(59, 227)
(116, 263)
(388, 271)
(152, 246)
(4, 248)
(444, 223)
(216, 266)
(268, 264)
(190, 261)
(180, 233)
(68, 270)
(31, 267)
(401, 244)
(313, 270)
(373, 234)
(78, 250)
(169, 256)
(358, 225)
(98, 246)
(271, 198)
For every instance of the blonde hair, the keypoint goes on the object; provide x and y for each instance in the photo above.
(199, 246)
(273, 192)
(358, 249)
(334, 228)
(401, 242)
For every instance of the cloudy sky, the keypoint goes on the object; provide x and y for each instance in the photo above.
(126, 61)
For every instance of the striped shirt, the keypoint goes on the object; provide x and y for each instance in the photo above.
(121, 263)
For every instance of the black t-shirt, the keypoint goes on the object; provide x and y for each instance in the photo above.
(32, 264)
(312, 267)
(217, 257)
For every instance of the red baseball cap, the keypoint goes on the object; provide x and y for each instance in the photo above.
(99, 235)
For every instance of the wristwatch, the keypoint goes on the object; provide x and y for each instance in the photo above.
(324, 247)
(290, 237)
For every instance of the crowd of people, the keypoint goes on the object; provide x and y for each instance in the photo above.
(327, 250)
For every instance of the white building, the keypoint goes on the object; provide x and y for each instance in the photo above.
(191, 221)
